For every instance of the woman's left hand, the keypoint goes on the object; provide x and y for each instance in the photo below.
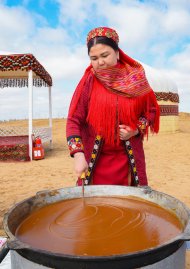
(125, 132)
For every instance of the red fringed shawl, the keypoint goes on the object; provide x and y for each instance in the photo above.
(121, 94)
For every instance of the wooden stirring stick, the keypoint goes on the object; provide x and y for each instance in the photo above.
(83, 176)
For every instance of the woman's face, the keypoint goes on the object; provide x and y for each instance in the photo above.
(103, 56)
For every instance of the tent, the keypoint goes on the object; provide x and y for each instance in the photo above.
(166, 92)
(24, 70)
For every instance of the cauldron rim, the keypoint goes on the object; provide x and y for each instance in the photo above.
(16, 244)
(134, 259)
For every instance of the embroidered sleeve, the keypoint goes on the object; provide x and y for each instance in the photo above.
(76, 122)
(75, 145)
(142, 125)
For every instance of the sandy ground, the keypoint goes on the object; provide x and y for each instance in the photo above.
(167, 158)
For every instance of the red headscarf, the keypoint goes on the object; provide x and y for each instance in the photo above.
(120, 94)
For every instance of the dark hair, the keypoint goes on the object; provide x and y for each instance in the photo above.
(102, 40)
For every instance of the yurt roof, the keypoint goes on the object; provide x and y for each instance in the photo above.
(14, 70)
(158, 80)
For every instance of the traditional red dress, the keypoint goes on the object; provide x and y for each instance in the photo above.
(102, 101)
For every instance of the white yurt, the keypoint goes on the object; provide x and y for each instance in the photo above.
(167, 96)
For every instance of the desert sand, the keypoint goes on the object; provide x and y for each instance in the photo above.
(167, 159)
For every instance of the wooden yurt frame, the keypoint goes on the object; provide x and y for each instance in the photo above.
(23, 70)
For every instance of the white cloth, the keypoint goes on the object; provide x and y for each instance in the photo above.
(6, 263)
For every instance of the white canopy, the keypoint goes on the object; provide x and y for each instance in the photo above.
(21, 70)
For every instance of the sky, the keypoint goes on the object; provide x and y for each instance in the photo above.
(155, 32)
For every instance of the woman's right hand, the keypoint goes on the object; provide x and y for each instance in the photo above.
(80, 164)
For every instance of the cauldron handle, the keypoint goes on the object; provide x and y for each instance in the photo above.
(16, 244)
(186, 234)
(146, 189)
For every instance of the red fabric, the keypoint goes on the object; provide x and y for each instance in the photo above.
(112, 167)
(107, 110)
(121, 103)
(138, 152)
(79, 127)
(79, 89)
(96, 109)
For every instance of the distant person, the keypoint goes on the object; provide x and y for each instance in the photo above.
(111, 110)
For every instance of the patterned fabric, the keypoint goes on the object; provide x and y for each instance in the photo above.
(93, 159)
(167, 96)
(132, 163)
(124, 79)
(142, 125)
(20, 82)
(103, 31)
(26, 62)
(14, 148)
(75, 145)
(169, 110)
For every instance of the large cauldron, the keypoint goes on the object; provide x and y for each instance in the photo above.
(133, 260)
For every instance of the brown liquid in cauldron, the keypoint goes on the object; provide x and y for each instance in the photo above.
(99, 226)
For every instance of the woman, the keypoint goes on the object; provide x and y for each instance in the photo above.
(111, 110)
